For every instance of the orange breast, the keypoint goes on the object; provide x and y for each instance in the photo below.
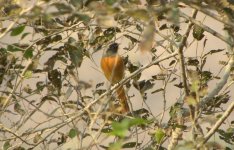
(113, 68)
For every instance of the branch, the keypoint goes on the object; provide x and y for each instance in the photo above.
(67, 121)
(177, 133)
(212, 15)
(15, 134)
(20, 14)
(4, 105)
(206, 28)
(29, 63)
(181, 55)
(217, 124)
(167, 38)
(221, 83)
(132, 75)
(225, 77)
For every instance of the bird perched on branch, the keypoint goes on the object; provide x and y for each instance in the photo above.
(113, 67)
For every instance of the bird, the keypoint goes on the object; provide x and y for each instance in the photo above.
(113, 67)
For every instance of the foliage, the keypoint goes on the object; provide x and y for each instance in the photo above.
(48, 47)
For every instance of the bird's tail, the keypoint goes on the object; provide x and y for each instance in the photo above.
(123, 100)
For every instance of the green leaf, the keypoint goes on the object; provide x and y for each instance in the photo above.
(73, 133)
(27, 89)
(56, 38)
(115, 146)
(213, 52)
(139, 28)
(229, 12)
(130, 145)
(159, 135)
(162, 27)
(28, 74)
(141, 112)
(28, 53)
(106, 130)
(231, 1)
(104, 147)
(17, 30)
(143, 85)
(62, 7)
(111, 31)
(178, 37)
(6, 145)
(172, 62)
(3, 101)
(186, 145)
(173, 14)
(132, 39)
(195, 86)
(37, 138)
(77, 3)
(198, 32)
(40, 85)
(55, 78)
(83, 17)
(75, 51)
(206, 76)
(137, 121)
(110, 2)
(11, 9)
(24, 35)
(176, 28)
(18, 109)
(13, 48)
(191, 100)
(157, 90)
(193, 62)
(140, 14)
(120, 128)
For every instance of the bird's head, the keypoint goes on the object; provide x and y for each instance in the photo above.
(112, 49)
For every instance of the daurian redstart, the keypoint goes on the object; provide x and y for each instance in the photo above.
(113, 67)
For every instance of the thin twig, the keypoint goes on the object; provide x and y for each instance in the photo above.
(225, 77)
(177, 133)
(29, 64)
(15, 134)
(220, 84)
(217, 124)
(181, 55)
(212, 15)
(20, 14)
(206, 28)
(125, 80)
(59, 125)
(164, 92)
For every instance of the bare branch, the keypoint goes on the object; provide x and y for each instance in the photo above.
(20, 14)
(125, 80)
(181, 55)
(217, 124)
(206, 28)
(177, 133)
(212, 15)
(15, 134)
